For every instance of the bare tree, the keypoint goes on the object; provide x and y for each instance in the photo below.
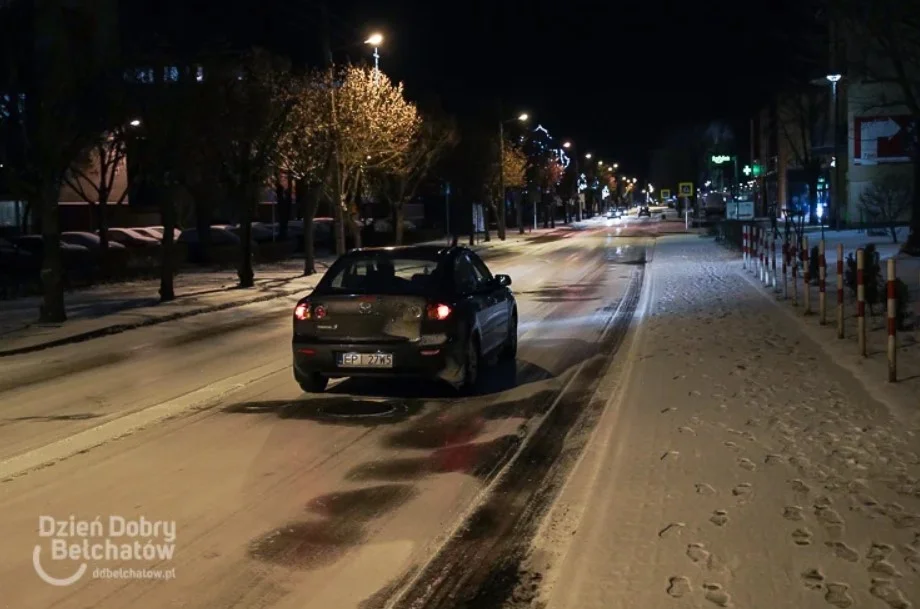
(92, 176)
(259, 100)
(51, 106)
(399, 183)
(887, 201)
(884, 48)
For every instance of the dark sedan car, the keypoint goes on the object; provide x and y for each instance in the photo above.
(419, 311)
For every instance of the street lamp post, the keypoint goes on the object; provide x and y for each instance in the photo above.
(838, 160)
(375, 40)
(501, 178)
(568, 145)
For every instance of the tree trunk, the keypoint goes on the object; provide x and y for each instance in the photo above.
(398, 221)
(52, 273)
(309, 195)
(354, 225)
(519, 213)
(168, 217)
(245, 271)
(485, 221)
(203, 210)
(102, 224)
(502, 217)
(471, 222)
(284, 197)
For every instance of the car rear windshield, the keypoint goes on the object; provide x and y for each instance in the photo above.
(382, 273)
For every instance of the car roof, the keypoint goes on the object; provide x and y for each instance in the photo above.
(413, 251)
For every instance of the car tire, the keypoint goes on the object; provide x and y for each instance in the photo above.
(313, 383)
(471, 366)
(509, 351)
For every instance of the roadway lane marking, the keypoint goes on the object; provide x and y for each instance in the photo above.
(83, 441)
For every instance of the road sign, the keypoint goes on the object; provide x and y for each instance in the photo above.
(685, 189)
(881, 139)
(665, 193)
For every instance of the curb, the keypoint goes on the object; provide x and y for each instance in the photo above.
(119, 328)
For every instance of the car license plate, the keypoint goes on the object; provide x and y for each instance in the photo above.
(366, 360)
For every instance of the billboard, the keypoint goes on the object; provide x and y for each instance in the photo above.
(880, 139)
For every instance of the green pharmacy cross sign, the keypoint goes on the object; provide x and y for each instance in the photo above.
(747, 170)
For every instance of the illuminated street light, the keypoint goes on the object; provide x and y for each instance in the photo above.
(634, 180)
(588, 155)
(135, 123)
(567, 145)
(375, 40)
(616, 165)
(610, 169)
(523, 117)
(600, 162)
(834, 77)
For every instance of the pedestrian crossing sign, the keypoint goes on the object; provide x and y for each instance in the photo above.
(665, 193)
(685, 189)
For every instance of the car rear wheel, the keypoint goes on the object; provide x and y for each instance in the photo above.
(313, 383)
(471, 366)
(509, 352)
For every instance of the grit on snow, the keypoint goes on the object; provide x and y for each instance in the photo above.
(742, 467)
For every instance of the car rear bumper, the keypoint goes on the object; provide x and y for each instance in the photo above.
(444, 362)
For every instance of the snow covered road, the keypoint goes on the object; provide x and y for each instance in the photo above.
(281, 500)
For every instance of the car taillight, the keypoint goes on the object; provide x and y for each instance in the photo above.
(439, 312)
(302, 311)
(319, 311)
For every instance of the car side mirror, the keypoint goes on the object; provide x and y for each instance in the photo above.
(503, 280)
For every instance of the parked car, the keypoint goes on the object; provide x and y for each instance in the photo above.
(411, 311)
(131, 238)
(91, 241)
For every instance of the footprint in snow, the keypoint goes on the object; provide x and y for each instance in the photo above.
(802, 537)
(838, 595)
(831, 521)
(697, 552)
(716, 595)
(668, 409)
(800, 487)
(747, 464)
(704, 489)
(879, 551)
(883, 567)
(732, 445)
(911, 557)
(678, 586)
(686, 429)
(742, 489)
(842, 550)
(773, 459)
(719, 518)
(885, 590)
(672, 529)
(671, 454)
(813, 579)
(793, 512)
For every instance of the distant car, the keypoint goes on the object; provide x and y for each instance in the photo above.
(416, 311)
(612, 213)
(645, 211)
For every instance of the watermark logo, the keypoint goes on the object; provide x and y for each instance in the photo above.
(78, 543)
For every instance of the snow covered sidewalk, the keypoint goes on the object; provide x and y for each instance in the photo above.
(112, 308)
(737, 466)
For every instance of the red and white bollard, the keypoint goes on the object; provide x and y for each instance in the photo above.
(764, 269)
(773, 263)
(840, 332)
(822, 284)
(861, 301)
(754, 249)
(806, 275)
(892, 323)
(744, 246)
(785, 270)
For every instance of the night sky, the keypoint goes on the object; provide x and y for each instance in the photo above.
(613, 77)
